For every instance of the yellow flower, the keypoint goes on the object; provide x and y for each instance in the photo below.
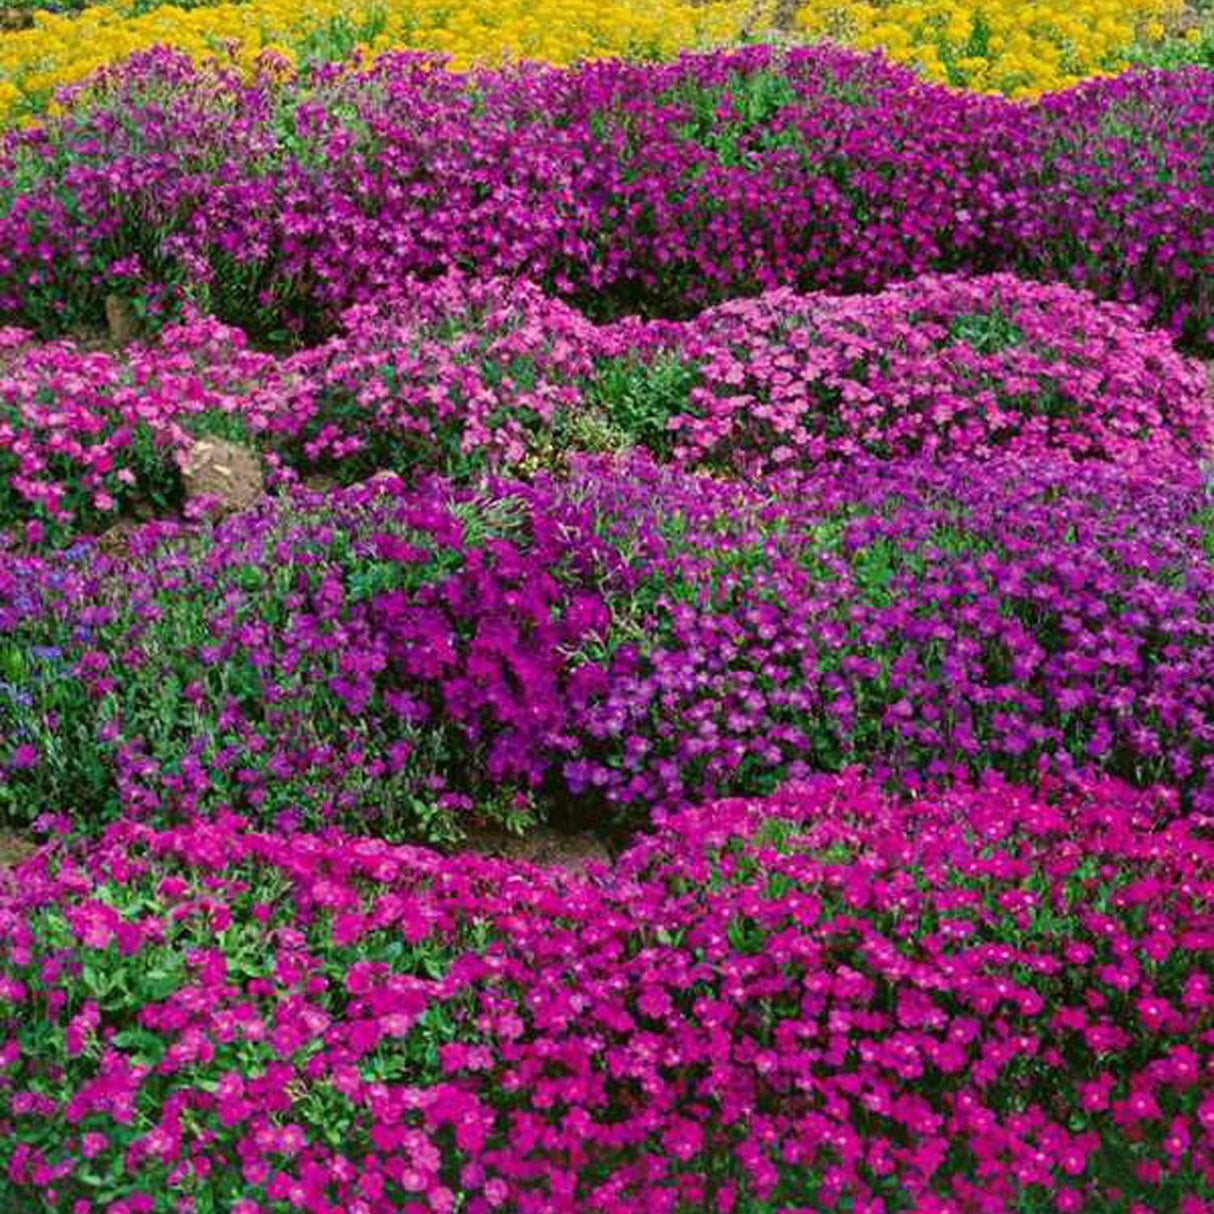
(62, 50)
(1020, 47)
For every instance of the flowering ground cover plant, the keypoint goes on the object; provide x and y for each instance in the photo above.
(939, 367)
(601, 647)
(766, 450)
(63, 49)
(1157, 255)
(972, 1002)
(257, 664)
(464, 375)
(456, 377)
(87, 434)
(623, 187)
(461, 376)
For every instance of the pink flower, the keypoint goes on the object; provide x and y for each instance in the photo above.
(92, 1144)
(24, 756)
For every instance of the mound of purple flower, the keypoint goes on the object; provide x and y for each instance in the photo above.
(618, 641)
(625, 187)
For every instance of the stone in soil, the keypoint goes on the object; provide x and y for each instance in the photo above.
(121, 319)
(223, 471)
(114, 541)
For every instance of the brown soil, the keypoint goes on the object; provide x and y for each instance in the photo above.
(545, 847)
(14, 848)
(121, 320)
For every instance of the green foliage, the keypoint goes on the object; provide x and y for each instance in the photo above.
(1174, 53)
(335, 41)
(987, 332)
(44, 706)
(640, 397)
(754, 103)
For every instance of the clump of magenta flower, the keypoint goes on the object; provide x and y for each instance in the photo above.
(458, 376)
(89, 435)
(624, 187)
(964, 1003)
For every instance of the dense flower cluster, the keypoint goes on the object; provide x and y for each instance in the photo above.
(64, 48)
(770, 424)
(938, 366)
(464, 375)
(829, 999)
(615, 642)
(1004, 46)
(86, 434)
(449, 377)
(625, 187)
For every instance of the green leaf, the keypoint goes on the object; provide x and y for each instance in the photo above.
(144, 1047)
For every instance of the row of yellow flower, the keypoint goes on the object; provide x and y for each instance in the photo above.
(61, 50)
(1018, 47)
